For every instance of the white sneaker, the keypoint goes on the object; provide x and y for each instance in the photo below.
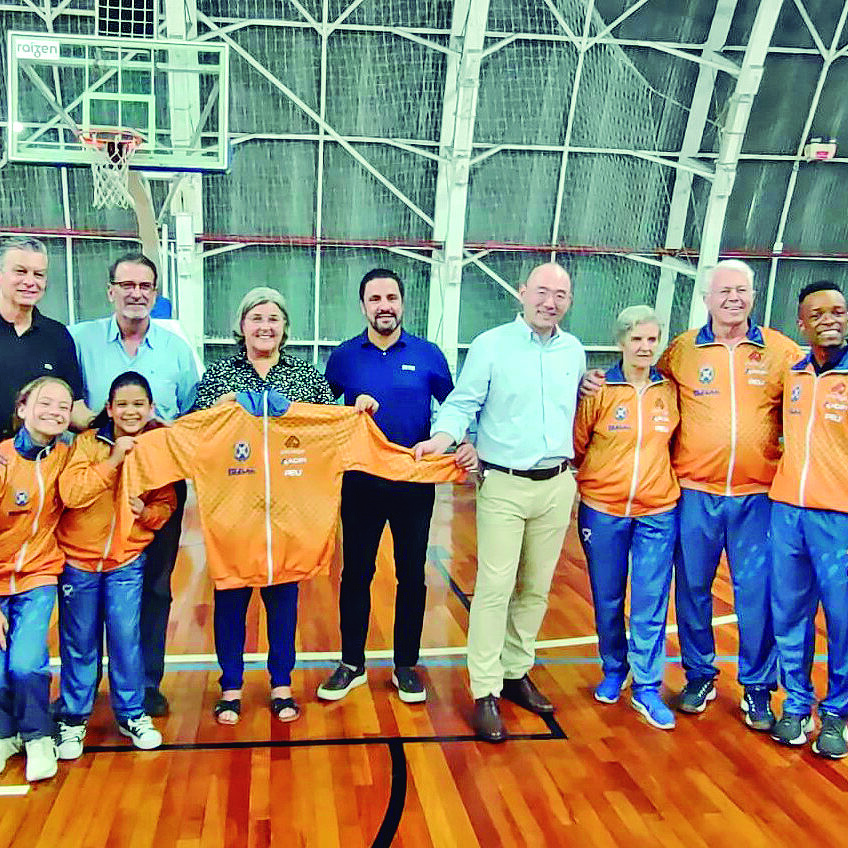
(142, 732)
(40, 758)
(71, 740)
(9, 746)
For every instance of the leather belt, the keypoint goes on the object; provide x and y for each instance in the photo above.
(530, 474)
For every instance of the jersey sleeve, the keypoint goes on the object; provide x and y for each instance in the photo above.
(84, 478)
(367, 449)
(588, 410)
(159, 505)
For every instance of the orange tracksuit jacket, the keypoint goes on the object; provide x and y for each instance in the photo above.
(729, 399)
(621, 439)
(268, 488)
(88, 488)
(29, 511)
(813, 470)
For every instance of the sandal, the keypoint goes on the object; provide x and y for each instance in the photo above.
(225, 706)
(279, 704)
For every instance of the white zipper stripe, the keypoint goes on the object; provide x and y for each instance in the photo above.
(268, 543)
(733, 425)
(805, 470)
(108, 543)
(635, 481)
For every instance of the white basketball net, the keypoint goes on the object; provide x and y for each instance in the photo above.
(110, 170)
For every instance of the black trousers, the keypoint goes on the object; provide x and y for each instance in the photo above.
(367, 504)
(156, 591)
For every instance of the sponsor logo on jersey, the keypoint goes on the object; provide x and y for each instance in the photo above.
(21, 498)
(755, 356)
(294, 460)
(795, 394)
(292, 442)
(621, 413)
(232, 472)
(241, 451)
(293, 472)
(587, 534)
(706, 374)
(838, 391)
(659, 403)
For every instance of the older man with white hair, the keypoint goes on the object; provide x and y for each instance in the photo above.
(729, 376)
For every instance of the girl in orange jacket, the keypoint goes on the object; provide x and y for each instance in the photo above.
(101, 573)
(30, 561)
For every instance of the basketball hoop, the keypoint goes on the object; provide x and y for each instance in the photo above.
(111, 150)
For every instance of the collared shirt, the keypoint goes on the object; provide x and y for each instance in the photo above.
(291, 376)
(525, 392)
(45, 349)
(403, 379)
(163, 357)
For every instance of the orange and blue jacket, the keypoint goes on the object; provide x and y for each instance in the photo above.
(621, 438)
(29, 511)
(728, 442)
(813, 470)
(268, 475)
(88, 488)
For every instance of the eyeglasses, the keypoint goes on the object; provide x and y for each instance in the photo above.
(128, 286)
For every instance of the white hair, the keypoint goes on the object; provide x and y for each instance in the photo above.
(256, 297)
(728, 265)
(630, 318)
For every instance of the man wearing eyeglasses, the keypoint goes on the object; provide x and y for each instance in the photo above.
(129, 341)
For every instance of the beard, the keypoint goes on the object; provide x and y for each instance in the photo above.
(381, 324)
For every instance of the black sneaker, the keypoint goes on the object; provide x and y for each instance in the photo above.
(832, 741)
(155, 703)
(410, 688)
(792, 729)
(756, 704)
(695, 694)
(341, 681)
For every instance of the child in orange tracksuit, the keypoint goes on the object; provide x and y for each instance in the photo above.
(102, 572)
(30, 561)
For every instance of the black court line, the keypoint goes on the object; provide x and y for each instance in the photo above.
(553, 725)
(312, 743)
(397, 797)
(464, 599)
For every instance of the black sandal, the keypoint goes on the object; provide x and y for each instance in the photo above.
(225, 706)
(279, 704)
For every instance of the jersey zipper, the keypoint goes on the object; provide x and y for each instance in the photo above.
(22, 553)
(733, 425)
(635, 481)
(805, 470)
(267, 458)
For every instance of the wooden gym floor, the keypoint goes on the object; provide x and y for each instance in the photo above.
(370, 770)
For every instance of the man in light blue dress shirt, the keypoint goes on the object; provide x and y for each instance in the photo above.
(129, 341)
(521, 379)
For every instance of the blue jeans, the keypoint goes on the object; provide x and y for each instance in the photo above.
(25, 665)
(810, 566)
(644, 546)
(81, 596)
(739, 526)
(230, 613)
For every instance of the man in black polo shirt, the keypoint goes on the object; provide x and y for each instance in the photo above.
(31, 345)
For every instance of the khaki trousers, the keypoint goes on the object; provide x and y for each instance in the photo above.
(521, 525)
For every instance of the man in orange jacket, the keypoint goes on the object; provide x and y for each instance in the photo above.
(809, 524)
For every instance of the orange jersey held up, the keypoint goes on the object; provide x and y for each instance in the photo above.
(88, 488)
(729, 400)
(268, 486)
(621, 439)
(29, 511)
(813, 471)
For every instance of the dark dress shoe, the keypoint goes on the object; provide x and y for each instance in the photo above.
(525, 694)
(487, 719)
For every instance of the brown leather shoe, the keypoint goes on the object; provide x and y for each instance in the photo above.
(486, 720)
(525, 694)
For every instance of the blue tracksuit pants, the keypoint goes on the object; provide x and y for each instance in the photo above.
(645, 546)
(810, 566)
(82, 595)
(739, 526)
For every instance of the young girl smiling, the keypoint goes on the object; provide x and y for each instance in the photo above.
(100, 574)
(30, 561)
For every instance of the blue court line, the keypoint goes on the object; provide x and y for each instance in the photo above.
(427, 662)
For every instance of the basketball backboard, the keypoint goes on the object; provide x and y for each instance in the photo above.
(172, 93)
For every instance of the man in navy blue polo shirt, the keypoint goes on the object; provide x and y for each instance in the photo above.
(394, 375)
